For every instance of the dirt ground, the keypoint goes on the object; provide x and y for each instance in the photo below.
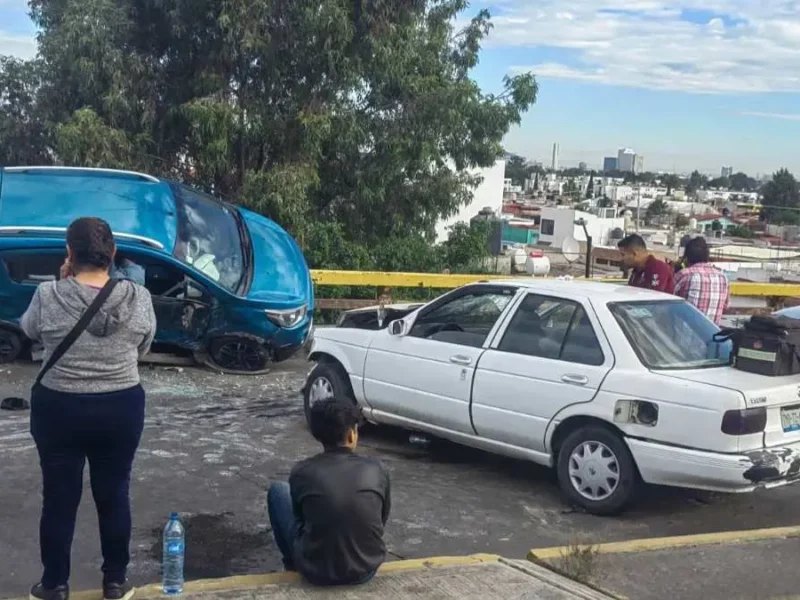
(213, 443)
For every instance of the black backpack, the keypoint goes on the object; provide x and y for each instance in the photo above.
(767, 345)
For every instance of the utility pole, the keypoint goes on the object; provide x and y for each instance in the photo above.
(638, 206)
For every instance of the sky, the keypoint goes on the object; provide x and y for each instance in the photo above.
(689, 84)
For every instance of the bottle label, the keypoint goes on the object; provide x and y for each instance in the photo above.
(174, 547)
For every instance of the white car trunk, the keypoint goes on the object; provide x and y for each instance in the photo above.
(780, 396)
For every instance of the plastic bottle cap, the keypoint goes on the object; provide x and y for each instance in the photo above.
(174, 516)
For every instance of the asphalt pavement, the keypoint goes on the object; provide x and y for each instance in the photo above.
(213, 443)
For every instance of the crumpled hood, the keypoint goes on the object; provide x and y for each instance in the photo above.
(118, 308)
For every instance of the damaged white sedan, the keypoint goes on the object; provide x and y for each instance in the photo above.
(610, 385)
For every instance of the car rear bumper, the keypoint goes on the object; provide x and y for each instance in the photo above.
(685, 467)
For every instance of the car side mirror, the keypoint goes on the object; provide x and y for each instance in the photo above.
(397, 328)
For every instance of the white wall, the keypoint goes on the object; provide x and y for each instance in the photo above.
(564, 226)
(488, 193)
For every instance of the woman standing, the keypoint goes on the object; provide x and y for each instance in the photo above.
(87, 403)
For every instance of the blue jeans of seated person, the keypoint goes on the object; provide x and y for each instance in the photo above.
(285, 526)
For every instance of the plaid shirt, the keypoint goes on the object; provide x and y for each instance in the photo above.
(705, 286)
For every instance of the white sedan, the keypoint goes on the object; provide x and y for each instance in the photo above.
(608, 384)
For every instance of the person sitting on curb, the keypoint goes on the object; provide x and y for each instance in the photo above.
(328, 520)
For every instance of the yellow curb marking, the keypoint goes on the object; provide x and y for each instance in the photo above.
(666, 543)
(241, 582)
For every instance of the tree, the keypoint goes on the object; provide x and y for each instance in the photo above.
(743, 183)
(313, 112)
(24, 137)
(696, 181)
(741, 231)
(516, 170)
(671, 181)
(720, 183)
(681, 221)
(781, 202)
(716, 225)
(590, 187)
(657, 210)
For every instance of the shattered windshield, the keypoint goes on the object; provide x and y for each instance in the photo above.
(208, 237)
(671, 335)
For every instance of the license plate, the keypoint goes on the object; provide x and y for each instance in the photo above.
(790, 418)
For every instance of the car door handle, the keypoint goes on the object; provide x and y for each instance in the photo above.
(575, 379)
(460, 359)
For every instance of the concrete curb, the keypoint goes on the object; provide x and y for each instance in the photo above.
(667, 543)
(245, 582)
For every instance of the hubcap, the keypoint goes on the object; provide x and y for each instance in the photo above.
(320, 389)
(594, 470)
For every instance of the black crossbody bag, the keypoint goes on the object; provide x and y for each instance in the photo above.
(79, 328)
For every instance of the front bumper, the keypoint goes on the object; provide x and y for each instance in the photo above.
(685, 467)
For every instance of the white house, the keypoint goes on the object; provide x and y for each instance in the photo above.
(487, 194)
(558, 223)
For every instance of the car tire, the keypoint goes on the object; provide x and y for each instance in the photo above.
(583, 482)
(10, 346)
(239, 354)
(326, 377)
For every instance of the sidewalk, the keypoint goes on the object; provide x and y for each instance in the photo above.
(758, 564)
(479, 577)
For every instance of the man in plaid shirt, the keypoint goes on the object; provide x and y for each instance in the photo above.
(701, 283)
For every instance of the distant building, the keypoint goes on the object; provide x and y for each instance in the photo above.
(554, 164)
(558, 223)
(610, 163)
(582, 166)
(726, 171)
(626, 160)
(638, 164)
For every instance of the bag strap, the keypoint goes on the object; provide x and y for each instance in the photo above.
(78, 329)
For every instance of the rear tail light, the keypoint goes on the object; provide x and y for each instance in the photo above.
(742, 422)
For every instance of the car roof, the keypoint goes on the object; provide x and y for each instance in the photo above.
(132, 203)
(604, 292)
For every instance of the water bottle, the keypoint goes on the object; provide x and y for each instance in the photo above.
(174, 547)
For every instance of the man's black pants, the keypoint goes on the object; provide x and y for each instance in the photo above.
(69, 429)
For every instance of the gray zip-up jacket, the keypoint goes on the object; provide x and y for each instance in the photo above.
(105, 357)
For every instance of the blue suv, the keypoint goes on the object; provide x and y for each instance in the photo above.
(228, 285)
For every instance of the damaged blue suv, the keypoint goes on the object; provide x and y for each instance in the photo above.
(228, 285)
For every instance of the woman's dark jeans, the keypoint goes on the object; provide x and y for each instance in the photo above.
(69, 429)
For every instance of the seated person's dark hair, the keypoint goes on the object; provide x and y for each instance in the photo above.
(633, 242)
(330, 420)
(696, 251)
(91, 242)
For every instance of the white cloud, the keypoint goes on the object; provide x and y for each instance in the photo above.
(742, 46)
(766, 115)
(21, 46)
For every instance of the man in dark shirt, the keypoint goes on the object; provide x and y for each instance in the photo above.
(328, 520)
(648, 271)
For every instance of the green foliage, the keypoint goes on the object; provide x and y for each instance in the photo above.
(516, 170)
(716, 225)
(656, 210)
(671, 181)
(24, 136)
(720, 183)
(743, 183)
(590, 187)
(356, 125)
(781, 199)
(696, 182)
(741, 231)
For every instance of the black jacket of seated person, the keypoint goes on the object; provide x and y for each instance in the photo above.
(341, 501)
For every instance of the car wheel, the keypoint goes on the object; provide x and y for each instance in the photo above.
(238, 354)
(596, 470)
(325, 381)
(10, 346)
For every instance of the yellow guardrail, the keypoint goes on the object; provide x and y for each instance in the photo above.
(449, 281)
